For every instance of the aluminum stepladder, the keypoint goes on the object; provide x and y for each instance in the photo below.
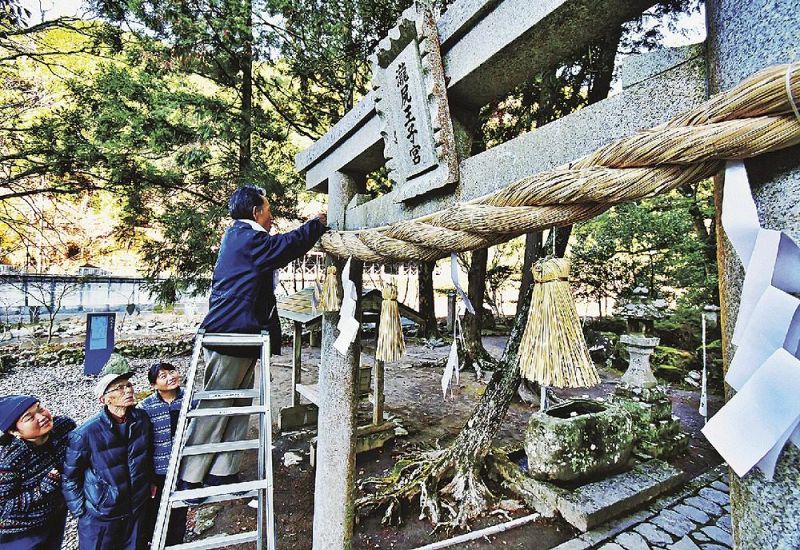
(264, 536)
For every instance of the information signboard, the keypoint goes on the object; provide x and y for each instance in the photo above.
(99, 341)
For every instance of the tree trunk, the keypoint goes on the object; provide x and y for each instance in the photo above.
(477, 435)
(704, 235)
(473, 353)
(533, 251)
(602, 68)
(246, 92)
(426, 303)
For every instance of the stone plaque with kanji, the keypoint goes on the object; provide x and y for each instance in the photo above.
(411, 101)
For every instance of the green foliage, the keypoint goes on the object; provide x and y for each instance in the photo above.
(188, 245)
(165, 143)
(682, 328)
(12, 12)
(324, 49)
(666, 358)
(614, 325)
(116, 364)
(653, 243)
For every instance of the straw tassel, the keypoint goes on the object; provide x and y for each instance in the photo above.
(553, 351)
(330, 300)
(391, 346)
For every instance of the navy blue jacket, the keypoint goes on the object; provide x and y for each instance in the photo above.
(104, 474)
(242, 298)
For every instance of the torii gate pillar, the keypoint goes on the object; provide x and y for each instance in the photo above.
(743, 37)
(338, 382)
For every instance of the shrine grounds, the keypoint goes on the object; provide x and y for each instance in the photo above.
(413, 397)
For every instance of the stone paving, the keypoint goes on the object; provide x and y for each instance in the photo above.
(697, 517)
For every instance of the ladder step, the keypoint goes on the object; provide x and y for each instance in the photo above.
(225, 394)
(219, 490)
(219, 498)
(207, 448)
(228, 411)
(218, 541)
(232, 339)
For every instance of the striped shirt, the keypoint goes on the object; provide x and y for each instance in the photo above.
(28, 493)
(160, 413)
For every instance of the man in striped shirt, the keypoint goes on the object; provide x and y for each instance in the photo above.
(163, 407)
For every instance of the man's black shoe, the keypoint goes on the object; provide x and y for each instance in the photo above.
(185, 486)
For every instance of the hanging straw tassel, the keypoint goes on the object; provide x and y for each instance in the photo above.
(391, 346)
(553, 351)
(330, 300)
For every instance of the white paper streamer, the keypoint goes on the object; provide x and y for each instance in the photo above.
(451, 373)
(756, 420)
(752, 428)
(454, 277)
(704, 386)
(348, 324)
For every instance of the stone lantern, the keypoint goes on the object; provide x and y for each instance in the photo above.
(656, 432)
(640, 314)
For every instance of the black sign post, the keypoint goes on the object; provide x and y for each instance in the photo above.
(99, 341)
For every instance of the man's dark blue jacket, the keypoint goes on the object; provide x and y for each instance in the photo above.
(105, 474)
(242, 298)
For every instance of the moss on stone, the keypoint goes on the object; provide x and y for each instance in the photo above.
(565, 447)
(666, 356)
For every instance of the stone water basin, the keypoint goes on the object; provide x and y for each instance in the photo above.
(578, 439)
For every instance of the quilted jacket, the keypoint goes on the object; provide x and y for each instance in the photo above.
(104, 473)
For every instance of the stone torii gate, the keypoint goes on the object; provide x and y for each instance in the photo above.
(430, 79)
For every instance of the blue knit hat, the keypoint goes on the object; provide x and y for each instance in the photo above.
(12, 407)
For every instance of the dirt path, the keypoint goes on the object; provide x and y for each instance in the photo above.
(413, 392)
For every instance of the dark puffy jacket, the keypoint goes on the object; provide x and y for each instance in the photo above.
(242, 298)
(103, 473)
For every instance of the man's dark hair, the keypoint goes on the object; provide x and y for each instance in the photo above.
(155, 368)
(243, 200)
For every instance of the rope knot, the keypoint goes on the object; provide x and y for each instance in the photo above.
(553, 269)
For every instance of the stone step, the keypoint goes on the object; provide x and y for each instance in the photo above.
(595, 503)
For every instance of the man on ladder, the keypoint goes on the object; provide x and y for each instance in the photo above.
(242, 301)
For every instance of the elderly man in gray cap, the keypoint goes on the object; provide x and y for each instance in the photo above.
(108, 473)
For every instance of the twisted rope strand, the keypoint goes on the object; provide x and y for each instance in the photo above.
(751, 119)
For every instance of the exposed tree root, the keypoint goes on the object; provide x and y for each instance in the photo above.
(464, 497)
(475, 358)
(460, 466)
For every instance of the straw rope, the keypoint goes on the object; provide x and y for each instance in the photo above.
(751, 119)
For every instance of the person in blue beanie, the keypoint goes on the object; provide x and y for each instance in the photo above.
(163, 407)
(32, 447)
(108, 470)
